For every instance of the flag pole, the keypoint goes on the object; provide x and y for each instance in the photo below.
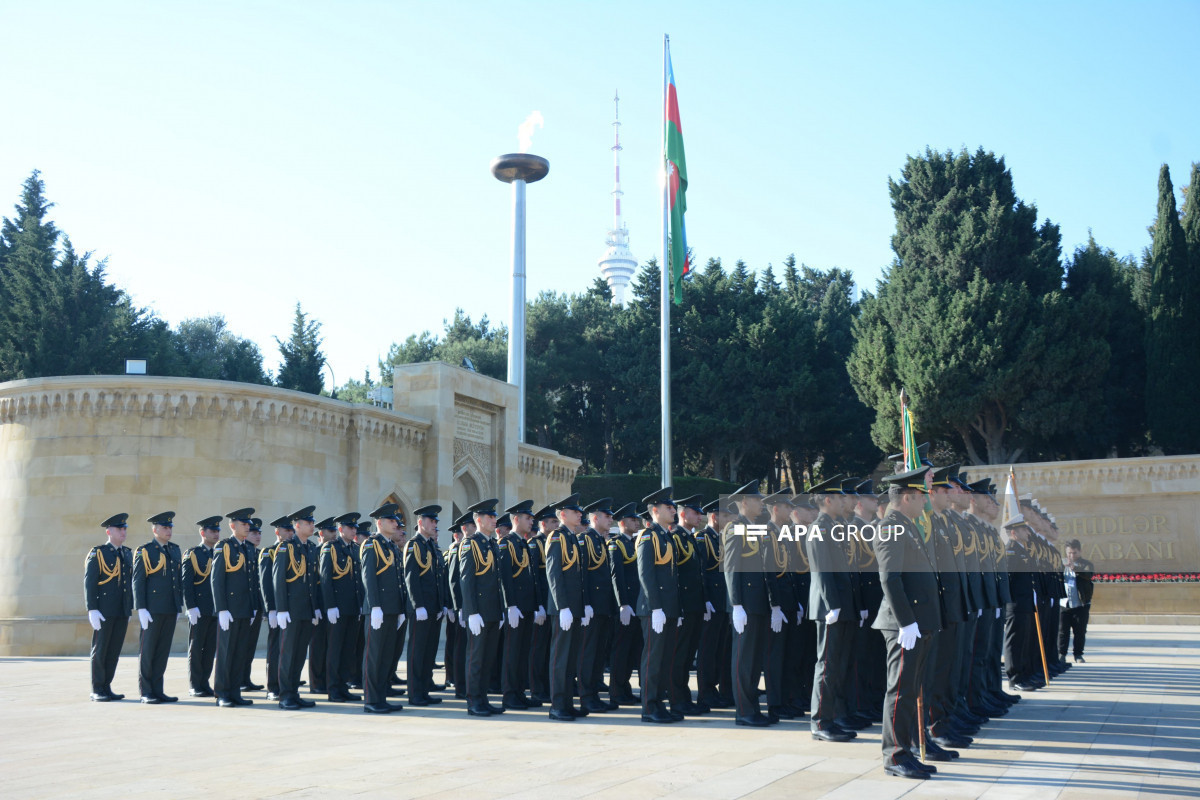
(665, 290)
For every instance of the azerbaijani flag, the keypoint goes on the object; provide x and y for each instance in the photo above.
(912, 460)
(676, 186)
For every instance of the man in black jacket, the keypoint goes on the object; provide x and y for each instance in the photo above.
(1077, 576)
(519, 588)
(744, 554)
(658, 605)
(565, 607)
(158, 597)
(482, 600)
(198, 602)
(340, 590)
(713, 677)
(233, 586)
(627, 636)
(383, 608)
(422, 582)
(108, 596)
(296, 612)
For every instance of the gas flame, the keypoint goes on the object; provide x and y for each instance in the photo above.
(525, 132)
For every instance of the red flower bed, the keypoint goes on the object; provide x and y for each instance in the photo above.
(1147, 577)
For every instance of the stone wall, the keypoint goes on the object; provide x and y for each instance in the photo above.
(79, 449)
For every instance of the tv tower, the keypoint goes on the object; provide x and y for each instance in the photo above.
(618, 264)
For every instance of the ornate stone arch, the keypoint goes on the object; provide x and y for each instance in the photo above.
(400, 498)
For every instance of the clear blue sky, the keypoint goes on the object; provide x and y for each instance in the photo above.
(238, 157)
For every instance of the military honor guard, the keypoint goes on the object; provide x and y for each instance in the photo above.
(456, 636)
(565, 606)
(599, 606)
(158, 598)
(422, 583)
(233, 597)
(108, 597)
(750, 610)
(295, 612)
(198, 602)
(253, 540)
(693, 607)
(784, 660)
(626, 652)
(523, 612)
(539, 646)
(482, 604)
(658, 605)
(266, 599)
(318, 645)
(713, 660)
(341, 592)
(384, 609)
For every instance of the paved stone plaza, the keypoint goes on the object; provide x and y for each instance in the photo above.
(1126, 724)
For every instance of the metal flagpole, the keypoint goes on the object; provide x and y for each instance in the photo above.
(665, 288)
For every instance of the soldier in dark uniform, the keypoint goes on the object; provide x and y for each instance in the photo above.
(713, 678)
(744, 560)
(340, 592)
(833, 606)
(253, 540)
(233, 597)
(266, 598)
(482, 603)
(421, 580)
(908, 617)
(108, 596)
(295, 613)
(399, 541)
(1020, 635)
(800, 659)
(693, 610)
(784, 659)
(456, 631)
(519, 586)
(539, 644)
(565, 607)
(658, 605)
(362, 533)
(198, 600)
(627, 634)
(384, 608)
(158, 597)
(318, 645)
(599, 606)
(870, 653)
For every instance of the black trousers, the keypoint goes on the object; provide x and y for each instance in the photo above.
(978, 681)
(514, 674)
(539, 659)
(318, 656)
(904, 680)
(422, 647)
(995, 659)
(202, 650)
(748, 651)
(1073, 621)
(966, 656)
(481, 656)
(153, 652)
(657, 659)
(779, 678)
(687, 642)
(939, 674)
(1050, 619)
(593, 651)
(713, 660)
(273, 659)
(460, 660)
(293, 648)
(251, 648)
(398, 649)
(452, 633)
(869, 666)
(231, 657)
(564, 660)
(377, 654)
(360, 649)
(835, 645)
(106, 651)
(1018, 647)
(339, 653)
(800, 660)
(624, 657)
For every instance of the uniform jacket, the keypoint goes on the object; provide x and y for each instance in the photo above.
(831, 585)
(780, 558)
(745, 569)
(479, 573)
(340, 578)
(622, 567)
(517, 583)
(657, 573)
(564, 573)
(422, 574)
(537, 562)
(950, 579)
(292, 577)
(157, 583)
(708, 550)
(1020, 576)
(382, 577)
(597, 573)
(266, 577)
(197, 579)
(907, 574)
(232, 578)
(689, 573)
(453, 573)
(108, 581)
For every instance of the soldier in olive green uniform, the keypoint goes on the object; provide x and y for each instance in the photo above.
(482, 602)
(539, 646)
(295, 613)
(519, 588)
(423, 584)
(233, 597)
(713, 678)
(253, 540)
(658, 605)
(158, 598)
(108, 596)
(565, 607)
(198, 601)
(745, 565)
(599, 606)
(626, 650)
(340, 592)
(383, 608)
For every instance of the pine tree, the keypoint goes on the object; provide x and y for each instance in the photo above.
(303, 362)
(1172, 345)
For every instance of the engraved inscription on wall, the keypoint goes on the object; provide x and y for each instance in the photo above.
(472, 425)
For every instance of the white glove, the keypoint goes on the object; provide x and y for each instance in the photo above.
(1035, 597)
(565, 618)
(707, 612)
(800, 616)
(587, 612)
(144, 618)
(462, 621)
(585, 621)
(739, 619)
(475, 623)
(317, 614)
(224, 618)
(863, 615)
(709, 608)
(253, 614)
(376, 618)
(333, 615)
(658, 620)
(539, 616)
(514, 616)
(679, 623)
(832, 616)
(626, 615)
(422, 614)
(400, 621)
(450, 614)
(909, 635)
(776, 619)
(193, 615)
(95, 617)
(273, 619)
(283, 618)
(440, 614)
(997, 613)
(316, 620)
(978, 613)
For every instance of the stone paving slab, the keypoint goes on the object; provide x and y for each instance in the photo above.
(1124, 725)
